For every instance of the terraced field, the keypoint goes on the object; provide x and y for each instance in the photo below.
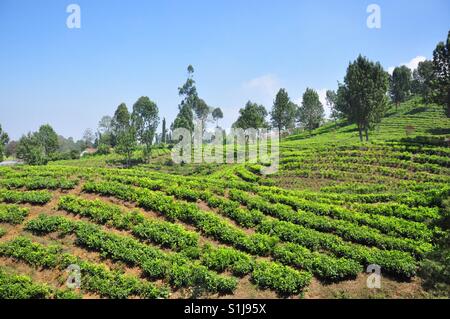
(335, 207)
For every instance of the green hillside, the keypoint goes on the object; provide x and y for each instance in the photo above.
(311, 230)
(423, 120)
(410, 144)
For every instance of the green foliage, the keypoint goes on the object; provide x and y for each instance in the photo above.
(323, 266)
(103, 148)
(121, 119)
(310, 113)
(31, 151)
(251, 116)
(14, 286)
(441, 66)
(246, 175)
(39, 147)
(95, 277)
(232, 210)
(394, 262)
(40, 182)
(4, 139)
(381, 203)
(145, 120)
(283, 111)
(184, 119)
(221, 259)
(35, 254)
(188, 92)
(126, 144)
(285, 280)
(423, 81)
(48, 139)
(389, 225)
(174, 268)
(255, 244)
(124, 132)
(400, 85)
(44, 224)
(362, 98)
(375, 208)
(217, 114)
(21, 287)
(31, 197)
(160, 232)
(435, 268)
(202, 110)
(12, 214)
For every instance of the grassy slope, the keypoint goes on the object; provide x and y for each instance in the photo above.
(333, 150)
(425, 122)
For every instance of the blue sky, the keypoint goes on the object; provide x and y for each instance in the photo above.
(240, 49)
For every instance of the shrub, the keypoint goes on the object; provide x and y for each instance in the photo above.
(12, 214)
(285, 280)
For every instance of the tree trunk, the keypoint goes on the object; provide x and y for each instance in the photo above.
(149, 152)
(360, 133)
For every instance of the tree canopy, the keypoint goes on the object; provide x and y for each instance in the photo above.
(441, 67)
(121, 119)
(31, 150)
(39, 147)
(4, 139)
(400, 86)
(310, 114)
(251, 116)
(145, 119)
(423, 79)
(202, 111)
(188, 92)
(124, 131)
(48, 138)
(184, 119)
(362, 97)
(283, 111)
(217, 114)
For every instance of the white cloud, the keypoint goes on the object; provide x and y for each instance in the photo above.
(262, 89)
(412, 64)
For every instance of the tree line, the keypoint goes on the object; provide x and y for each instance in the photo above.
(364, 96)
